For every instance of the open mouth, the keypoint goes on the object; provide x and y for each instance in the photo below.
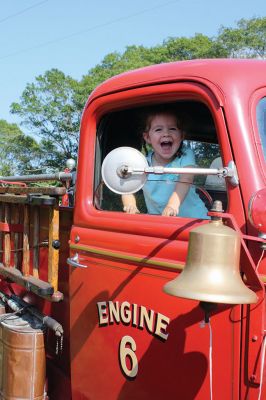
(166, 144)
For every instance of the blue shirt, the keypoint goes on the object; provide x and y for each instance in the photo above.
(159, 187)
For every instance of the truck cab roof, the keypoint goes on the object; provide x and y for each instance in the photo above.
(222, 73)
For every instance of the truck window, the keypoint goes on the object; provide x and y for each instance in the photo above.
(123, 128)
(261, 121)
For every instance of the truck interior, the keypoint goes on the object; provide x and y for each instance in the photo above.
(122, 128)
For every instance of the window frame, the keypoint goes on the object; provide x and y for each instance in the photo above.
(257, 96)
(87, 214)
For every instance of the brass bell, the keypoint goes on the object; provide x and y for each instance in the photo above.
(211, 273)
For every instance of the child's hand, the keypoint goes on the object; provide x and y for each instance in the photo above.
(170, 211)
(131, 209)
(129, 204)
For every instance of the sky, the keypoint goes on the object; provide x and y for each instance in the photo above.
(75, 35)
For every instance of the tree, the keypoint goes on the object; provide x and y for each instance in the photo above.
(48, 109)
(112, 64)
(51, 107)
(19, 153)
(199, 46)
(247, 40)
(172, 49)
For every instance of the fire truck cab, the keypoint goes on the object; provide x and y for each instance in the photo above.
(125, 335)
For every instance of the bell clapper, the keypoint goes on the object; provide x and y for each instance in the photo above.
(207, 307)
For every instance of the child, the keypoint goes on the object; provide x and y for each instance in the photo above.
(167, 194)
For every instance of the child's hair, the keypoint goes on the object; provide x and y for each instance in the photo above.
(150, 112)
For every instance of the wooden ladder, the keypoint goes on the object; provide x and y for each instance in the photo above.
(29, 224)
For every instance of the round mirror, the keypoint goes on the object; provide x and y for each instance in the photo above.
(124, 158)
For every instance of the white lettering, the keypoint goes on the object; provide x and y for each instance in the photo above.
(135, 309)
(114, 312)
(145, 317)
(125, 312)
(128, 352)
(103, 317)
(138, 316)
(161, 325)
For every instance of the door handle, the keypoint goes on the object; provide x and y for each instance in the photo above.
(74, 262)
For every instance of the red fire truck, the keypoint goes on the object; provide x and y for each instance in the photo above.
(99, 304)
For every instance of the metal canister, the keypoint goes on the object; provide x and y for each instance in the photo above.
(2, 308)
(22, 360)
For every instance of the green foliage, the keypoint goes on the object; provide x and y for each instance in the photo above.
(19, 152)
(199, 46)
(247, 40)
(113, 64)
(205, 153)
(48, 109)
(173, 49)
(51, 107)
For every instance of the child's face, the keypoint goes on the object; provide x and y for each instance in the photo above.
(164, 136)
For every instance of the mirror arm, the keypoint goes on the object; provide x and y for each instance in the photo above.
(126, 171)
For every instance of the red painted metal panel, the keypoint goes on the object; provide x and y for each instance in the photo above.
(177, 367)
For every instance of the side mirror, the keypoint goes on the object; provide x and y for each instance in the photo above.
(125, 169)
(257, 211)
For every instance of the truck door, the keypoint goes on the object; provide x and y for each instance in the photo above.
(129, 339)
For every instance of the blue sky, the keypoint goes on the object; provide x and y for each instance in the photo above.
(73, 36)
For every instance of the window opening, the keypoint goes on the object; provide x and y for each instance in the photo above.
(124, 128)
(261, 121)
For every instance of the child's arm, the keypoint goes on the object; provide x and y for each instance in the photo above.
(178, 195)
(129, 204)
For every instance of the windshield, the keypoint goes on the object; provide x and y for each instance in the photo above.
(261, 121)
